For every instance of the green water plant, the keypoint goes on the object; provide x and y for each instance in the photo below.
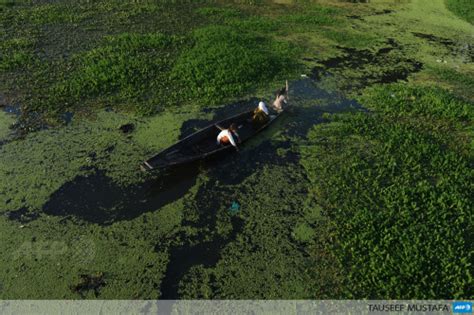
(462, 8)
(225, 62)
(398, 189)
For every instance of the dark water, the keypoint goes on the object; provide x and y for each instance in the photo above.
(22, 215)
(14, 110)
(359, 59)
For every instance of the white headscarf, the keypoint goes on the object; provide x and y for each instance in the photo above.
(262, 106)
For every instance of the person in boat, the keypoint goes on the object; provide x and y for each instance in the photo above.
(260, 115)
(229, 135)
(281, 99)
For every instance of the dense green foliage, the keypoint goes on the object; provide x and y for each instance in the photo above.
(225, 62)
(462, 8)
(16, 53)
(418, 102)
(398, 184)
(130, 67)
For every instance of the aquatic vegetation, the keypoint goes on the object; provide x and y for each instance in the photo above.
(59, 158)
(16, 53)
(163, 130)
(49, 14)
(406, 100)
(359, 68)
(33, 168)
(350, 37)
(43, 254)
(258, 24)
(129, 68)
(315, 16)
(462, 8)
(39, 15)
(219, 13)
(6, 120)
(461, 82)
(334, 200)
(224, 62)
(257, 262)
(397, 188)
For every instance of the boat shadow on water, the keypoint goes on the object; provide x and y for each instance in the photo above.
(98, 199)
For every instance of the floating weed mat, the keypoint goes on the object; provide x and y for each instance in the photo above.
(461, 82)
(224, 62)
(62, 251)
(397, 184)
(6, 120)
(17, 52)
(462, 8)
(127, 68)
(269, 211)
(150, 72)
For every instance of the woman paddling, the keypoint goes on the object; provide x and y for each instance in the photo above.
(281, 98)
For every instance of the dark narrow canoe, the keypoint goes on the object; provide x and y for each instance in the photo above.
(203, 143)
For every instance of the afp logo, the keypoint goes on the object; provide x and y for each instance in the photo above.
(462, 307)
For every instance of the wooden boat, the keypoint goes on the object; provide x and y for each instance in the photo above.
(203, 143)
